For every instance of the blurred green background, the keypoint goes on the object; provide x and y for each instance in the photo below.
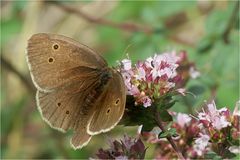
(207, 30)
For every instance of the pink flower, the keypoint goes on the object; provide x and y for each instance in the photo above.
(182, 91)
(134, 91)
(183, 119)
(234, 149)
(220, 122)
(141, 74)
(164, 64)
(213, 117)
(194, 73)
(198, 136)
(126, 64)
(146, 101)
(148, 62)
(154, 77)
(201, 143)
(236, 111)
(121, 158)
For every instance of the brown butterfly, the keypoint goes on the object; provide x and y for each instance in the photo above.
(75, 87)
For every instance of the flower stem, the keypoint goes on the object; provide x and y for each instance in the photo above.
(169, 138)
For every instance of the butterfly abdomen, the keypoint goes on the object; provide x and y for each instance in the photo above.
(92, 97)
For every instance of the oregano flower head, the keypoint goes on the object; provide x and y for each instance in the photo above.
(150, 79)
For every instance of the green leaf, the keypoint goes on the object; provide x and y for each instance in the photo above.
(237, 156)
(205, 44)
(197, 89)
(218, 20)
(165, 102)
(168, 132)
(212, 155)
(165, 116)
(163, 135)
(169, 105)
(224, 63)
(138, 115)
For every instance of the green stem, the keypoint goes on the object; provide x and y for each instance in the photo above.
(169, 138)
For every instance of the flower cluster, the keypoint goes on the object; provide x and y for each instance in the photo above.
(215, 130)
(127, 148)
(220, 127)
(214, 118)
(153, 82)
(187, 131)
(150, 79)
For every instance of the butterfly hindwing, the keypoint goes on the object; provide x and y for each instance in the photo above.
(109, 107)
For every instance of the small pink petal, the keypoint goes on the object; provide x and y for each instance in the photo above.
(194, 73)
(127, 64)
(183, 119)
(146, 101)
(182, 91)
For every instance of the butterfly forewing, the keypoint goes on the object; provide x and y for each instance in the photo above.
(55, 60)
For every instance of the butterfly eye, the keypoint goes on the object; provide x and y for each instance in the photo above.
(55, 46)
(59, 104)
(117, 101)
(50, 60)
(67, 112)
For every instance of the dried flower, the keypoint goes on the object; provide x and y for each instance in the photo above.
(127, 148)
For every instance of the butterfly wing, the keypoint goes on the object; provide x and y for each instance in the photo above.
(64, 72)
(55, 61)
(65, 109)
(62, 107)
(109, 107)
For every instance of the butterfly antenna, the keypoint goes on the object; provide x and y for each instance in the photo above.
(125, 53)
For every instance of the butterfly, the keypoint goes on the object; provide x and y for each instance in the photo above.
(76, 90)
